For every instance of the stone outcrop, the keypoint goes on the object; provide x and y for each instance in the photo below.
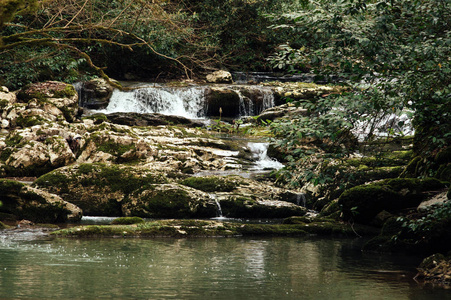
(220, 76)
(136, 119)
(285, 110)
(95, 94)
(435, 269)
(37, 104)
(170, 201)
(118, 190)
(362, 203)
(33, 204)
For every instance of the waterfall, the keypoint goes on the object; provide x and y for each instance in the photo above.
(263, 161)
(187, 102)
(246, 105)
(190, 102)
(218, 208)
(301, 199)
(268, 99)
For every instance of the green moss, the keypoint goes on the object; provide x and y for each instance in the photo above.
(2, 226)
(10, 187)
(127, 221)
(29, 121)
(55, 180)
(5, 154)
(413, 185)
(14, 140)
(3, 103)
(170, 203)
(68, 92)
(363, 203)
(213, 183)
(97, 118)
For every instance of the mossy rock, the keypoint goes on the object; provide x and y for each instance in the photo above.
(43, 90)
(364, 202)
(213, 183)
(127, 221)
(98, 189)
(24, 202)
(238, 206)
(170, 201)
(2, 226)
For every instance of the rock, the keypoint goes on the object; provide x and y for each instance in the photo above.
(212, 184)
(35, 150)
(238, 206)
(137, 119)
(281, 111)
(53, 98)
(36, 205)
(98, 189)
(437, 200)
(435, 269)
(302, 90)
(362, 203)
(96, 94)
(220, 76)
(6, 97)
(170, 201)
(223, 101)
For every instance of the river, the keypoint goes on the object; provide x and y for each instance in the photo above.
(35, 266)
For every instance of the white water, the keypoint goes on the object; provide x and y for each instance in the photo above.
(388, 125)
(249, 108)
(188, 102)
(263, 162)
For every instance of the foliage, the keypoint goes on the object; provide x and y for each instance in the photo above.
(73, 40)
(426, 224)
(397, 52)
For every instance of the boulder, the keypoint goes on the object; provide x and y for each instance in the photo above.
(98, 189)
(246, 206)
(170, 201)
(51, 100)
(6, 97)
(435, 269)
(148, 119)
(36, 150)
(33, 204)
(220, 76)
(95, 94)
(362, 203)
(280, 111)
(223, 101)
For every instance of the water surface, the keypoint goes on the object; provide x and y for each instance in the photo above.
(198, 268)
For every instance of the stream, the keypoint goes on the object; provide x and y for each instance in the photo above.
(36, 266)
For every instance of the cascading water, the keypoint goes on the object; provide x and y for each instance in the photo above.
(187, 102)
(263, 162)
(191, 102)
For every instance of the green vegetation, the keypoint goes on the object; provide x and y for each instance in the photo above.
(70, 41)
(127, 221)
(196, 228)
(400, 49)
(213, 183)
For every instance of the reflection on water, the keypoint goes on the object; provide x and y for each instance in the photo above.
(198, 268)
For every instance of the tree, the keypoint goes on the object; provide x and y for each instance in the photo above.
(396, 55)
(63, 36)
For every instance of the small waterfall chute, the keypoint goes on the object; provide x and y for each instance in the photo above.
(263, 161)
